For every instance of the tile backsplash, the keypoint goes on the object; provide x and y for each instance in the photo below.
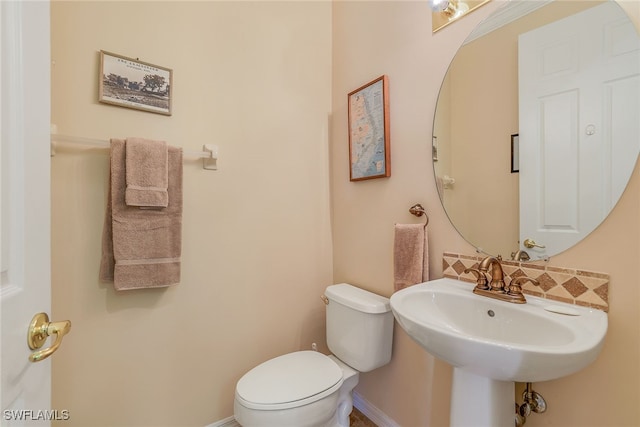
(585, 288)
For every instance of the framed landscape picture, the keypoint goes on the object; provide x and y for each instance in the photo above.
(130, 83)
(369, 145)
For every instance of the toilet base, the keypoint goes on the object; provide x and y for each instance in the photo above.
(351, 377)
(317, 414)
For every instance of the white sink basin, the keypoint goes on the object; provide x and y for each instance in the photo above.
(496, 339)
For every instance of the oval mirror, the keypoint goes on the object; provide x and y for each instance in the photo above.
(536, 131)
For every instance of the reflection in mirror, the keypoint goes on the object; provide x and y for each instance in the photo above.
(578, 142)
(448, 11)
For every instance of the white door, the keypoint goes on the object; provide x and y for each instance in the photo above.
(579, 126)
(25, 394)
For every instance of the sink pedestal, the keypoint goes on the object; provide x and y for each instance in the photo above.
(481, 402)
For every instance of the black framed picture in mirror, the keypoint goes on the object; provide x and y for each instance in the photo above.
(515, 153)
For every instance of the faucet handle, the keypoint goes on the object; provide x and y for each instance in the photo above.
(514, 290)
(515, 287)
(519, 281)
(481, 278)
(520, 255)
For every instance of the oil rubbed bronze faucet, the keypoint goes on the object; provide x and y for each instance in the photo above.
(496, 288)
(497, 275)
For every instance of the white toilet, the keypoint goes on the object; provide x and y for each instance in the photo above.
(310, 389)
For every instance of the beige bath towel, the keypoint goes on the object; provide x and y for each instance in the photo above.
(410, 255)
(146, 165)
(141, 248)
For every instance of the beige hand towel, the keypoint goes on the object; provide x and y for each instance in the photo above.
(146, 167)
(410, 255)
(141, 248)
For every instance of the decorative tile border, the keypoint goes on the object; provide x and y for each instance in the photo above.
(579, 287)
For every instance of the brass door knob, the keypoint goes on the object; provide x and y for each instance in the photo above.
(39, 329)
(530, 243)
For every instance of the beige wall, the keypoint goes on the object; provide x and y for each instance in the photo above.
(395, 39)
(254, 78)
(484, 113)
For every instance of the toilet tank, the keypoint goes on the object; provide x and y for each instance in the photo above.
(359, 327)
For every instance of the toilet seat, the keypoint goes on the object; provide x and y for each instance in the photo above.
(289, 381)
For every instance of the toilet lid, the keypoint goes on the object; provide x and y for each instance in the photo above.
(289, 381)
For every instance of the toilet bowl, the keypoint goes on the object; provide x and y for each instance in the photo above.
(300, 389)
(310, 389)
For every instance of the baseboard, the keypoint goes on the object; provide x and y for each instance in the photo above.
(372, 412)
(227, 422)
(367, 408)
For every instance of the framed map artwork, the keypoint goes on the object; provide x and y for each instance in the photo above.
(369, 154)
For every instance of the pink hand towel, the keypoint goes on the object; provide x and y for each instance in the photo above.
(410, 255)
(141, 248)
(146, 168)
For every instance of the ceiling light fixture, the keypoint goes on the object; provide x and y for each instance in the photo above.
(446, 11)
(451, 8)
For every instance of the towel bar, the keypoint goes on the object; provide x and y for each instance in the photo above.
(209, 153)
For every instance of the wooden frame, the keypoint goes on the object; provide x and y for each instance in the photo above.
(368, 121)
(130, 83)
(515, 153)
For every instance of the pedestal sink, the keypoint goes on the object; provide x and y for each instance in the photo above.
(491, 344)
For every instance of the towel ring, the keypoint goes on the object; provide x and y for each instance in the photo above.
(418, 210)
